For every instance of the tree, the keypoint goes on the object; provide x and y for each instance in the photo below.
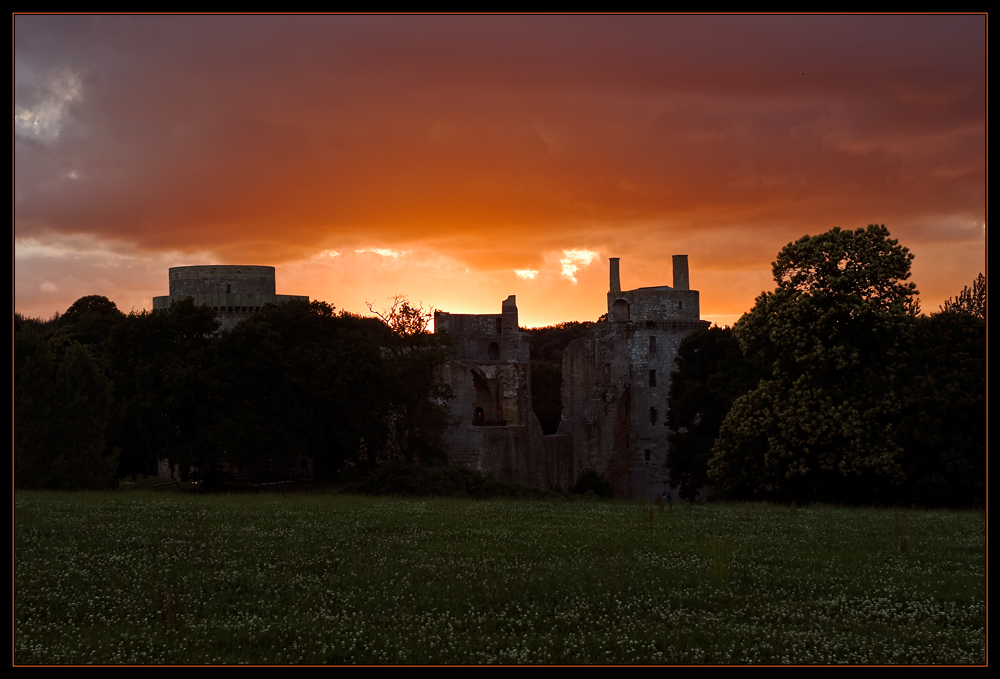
(303, 383)
(419, 412)
(163, 367)
(971, 300)
(822, 423)
(710, 374)
(61, 409)
(83, 405)
(34, 392)
(89, 320)
(943, 428)
(402, 318)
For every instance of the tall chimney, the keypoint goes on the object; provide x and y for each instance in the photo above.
(681, 273)
(616, 281)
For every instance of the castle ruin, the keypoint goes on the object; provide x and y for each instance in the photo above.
(614, 391)
(615, 381)
(495, 428)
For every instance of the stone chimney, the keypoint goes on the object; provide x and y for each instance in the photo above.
(616, 281)
(681, 273)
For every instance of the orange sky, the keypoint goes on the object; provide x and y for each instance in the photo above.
(438, 156)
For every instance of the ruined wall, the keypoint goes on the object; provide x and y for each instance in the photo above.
(615, 386)
(496, 429)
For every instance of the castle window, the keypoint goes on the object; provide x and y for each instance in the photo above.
(620, 311)
(229, 288)
(647, 454)
(652, 378)
(499, 325)
(479, 417)
(652, 415)
(652, 344)
(493, 352)
(680, 304)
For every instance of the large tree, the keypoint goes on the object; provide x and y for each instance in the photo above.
(822, 424)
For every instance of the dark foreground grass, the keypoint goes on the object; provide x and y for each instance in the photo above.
(166, 578)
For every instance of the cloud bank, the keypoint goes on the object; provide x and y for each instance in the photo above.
(490, 145)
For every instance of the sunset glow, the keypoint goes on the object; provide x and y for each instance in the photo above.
(461, 159)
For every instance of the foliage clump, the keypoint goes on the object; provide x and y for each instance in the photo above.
(860, 400)
(711, 372)
(971, 300)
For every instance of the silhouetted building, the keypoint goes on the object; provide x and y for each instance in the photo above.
(234, 292)
(615, 383)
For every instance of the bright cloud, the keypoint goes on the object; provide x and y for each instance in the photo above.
(385, 252)
(526, 274)
(573, 260)
(40, 113)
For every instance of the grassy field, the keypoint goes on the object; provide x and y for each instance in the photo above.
(140, 577)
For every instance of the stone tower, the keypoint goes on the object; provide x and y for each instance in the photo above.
(616, 381)
(234, 292)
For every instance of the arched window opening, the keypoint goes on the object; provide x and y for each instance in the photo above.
(493, 352)
(620, 311)
(486, 408)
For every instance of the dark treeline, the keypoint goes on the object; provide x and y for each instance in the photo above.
(101, 395)
(834, 388)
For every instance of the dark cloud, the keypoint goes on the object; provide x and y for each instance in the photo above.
(497, 139)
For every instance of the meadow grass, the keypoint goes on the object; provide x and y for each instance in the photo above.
(144, 577)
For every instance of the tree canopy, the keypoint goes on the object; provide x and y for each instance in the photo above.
(99, 393)
(971, 300)
(822, 422)
(711, 372)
